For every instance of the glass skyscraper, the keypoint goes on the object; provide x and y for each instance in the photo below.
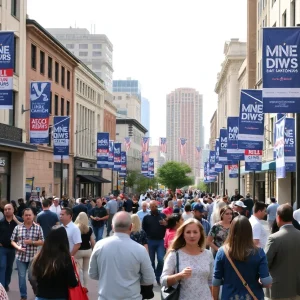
(128, 86)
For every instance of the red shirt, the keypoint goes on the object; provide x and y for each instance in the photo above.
(167, 211)
(169, 236)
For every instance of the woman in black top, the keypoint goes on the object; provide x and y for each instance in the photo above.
(52, 267)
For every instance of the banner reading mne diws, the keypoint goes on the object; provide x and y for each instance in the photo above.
(233, 153)
(281, 70)
(61, 137)
(251, 121)
(279, 148)
(39, 112)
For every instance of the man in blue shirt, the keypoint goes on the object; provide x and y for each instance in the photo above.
(198, 214)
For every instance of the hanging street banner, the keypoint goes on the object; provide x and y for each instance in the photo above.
(279, 148)
(253, 159)
(289, 145)
(110, 160)
(251, 121)
(218, 165)
(7, 53)
(223, 145)
(233, 171)
(212, 163)
(163, 145)
(233, 153)
(151, 168)
(61, 137)
(144, 167)
(281, 70)
(123, 170)
(145, 144)
(117, 156)
(102, 149)
(207, 176)
(39, 112)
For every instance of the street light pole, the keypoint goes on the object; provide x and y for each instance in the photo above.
(61, 176)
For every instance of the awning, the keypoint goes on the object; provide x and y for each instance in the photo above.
(267, 166)
(93, 179)
(101, 179)
(18, 145)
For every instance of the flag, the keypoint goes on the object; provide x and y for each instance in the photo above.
(146, 156)
(127, 143)
(163, 145)
(145, 144)
(183, 146)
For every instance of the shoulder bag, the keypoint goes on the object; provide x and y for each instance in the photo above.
(171, 293)
(78, 292)
(245, 284)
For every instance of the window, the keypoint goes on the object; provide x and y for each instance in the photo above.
(50, 103)
(15, 8)
(68, 79)
(97, 46)
(284, 19)
(83, 46)
(96, 53)
(49, 67)
(70, 46)
(56, 105)
(33, 56)
(62, 76)
(62, 106)
(56, 72)
(68, 108)
(42, 62)
(292, 13)
(83, 53)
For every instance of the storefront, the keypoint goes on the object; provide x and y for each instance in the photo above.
(87, 178)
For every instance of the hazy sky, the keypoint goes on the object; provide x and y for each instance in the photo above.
(165, 44)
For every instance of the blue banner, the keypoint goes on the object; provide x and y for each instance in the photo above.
(233, 170)
(123, 171)
(151, 168)
(212, 163)
(281, 70)
(233, 153)
(102, 149)
(223, 145)
(117, 156)
(39, 112)
(61, 137)
(253, 160)
(279, 148)
(110, 160)
(251, 121)
(290, 145)
(7, 53)
(218, 165)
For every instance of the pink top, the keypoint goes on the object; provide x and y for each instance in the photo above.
(167, 211)
(169, 236)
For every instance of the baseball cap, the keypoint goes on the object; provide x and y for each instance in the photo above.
(240, 204)
(199, 207)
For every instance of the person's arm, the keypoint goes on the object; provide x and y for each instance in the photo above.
(105, 217)
(71, 277)
(256, 231)
(94, 269)
(264, 275)
(147, 272)
(218, 273)
(14, 238)
(210, 243)
(16, 220)
(75, 249)
(271, 251)
(77, 240)
(144, 224)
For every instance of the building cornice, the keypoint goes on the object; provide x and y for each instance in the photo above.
(134, 122)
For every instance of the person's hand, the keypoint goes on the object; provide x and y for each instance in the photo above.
(28, 242)
(163, 222)
(186, 273)
(265, 286)
(21, 249)
(15, 219)
(97, 219)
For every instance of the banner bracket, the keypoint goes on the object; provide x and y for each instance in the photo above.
(24, 110)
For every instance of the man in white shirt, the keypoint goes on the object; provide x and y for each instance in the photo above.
(260, 235)
(120, 264)
(55, 207)
(73, 232)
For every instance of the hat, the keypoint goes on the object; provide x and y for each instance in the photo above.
(240, 204)
(199, 207)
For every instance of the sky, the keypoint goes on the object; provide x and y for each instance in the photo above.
(165, 44)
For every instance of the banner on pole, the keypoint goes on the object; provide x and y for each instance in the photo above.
(39, 112)
(281, 70)
(218, 165)
(253, 160)
(110, 160)
(144, 167)
(233, 171)
(123, 170)
(279, 148)
(61, 137)
(251, 121)
(102, 149)
(117, 156)
(7, 54)
(233, 153)
(151, 168)
(290, 145)
(223, 145)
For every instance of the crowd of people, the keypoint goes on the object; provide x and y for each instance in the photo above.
(202, 245)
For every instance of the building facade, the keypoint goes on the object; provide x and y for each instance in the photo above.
(94, 50)
(128, 86)
(13, 146)
(48, 60)
(213, 131)
(128, 105)
(145, 115)
(185, 120)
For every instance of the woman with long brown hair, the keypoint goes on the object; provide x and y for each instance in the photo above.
(195, 262)
(250, 262)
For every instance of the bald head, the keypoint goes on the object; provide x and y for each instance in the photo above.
(153, 206)
(122, 222)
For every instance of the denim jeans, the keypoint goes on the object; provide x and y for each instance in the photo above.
(22, 270)
(7, 257)
(39, 298)
(157, 247)
(98, 231)
(109, 224)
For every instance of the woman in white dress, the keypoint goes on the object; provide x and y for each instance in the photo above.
(195, 263)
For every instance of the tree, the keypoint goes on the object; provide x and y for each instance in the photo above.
(139, 182)
(131, 178)
(174, 175)
(202, 186)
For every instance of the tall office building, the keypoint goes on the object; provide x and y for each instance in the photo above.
(128, 86)
(94, 50)
(185, 120)
(145, 115)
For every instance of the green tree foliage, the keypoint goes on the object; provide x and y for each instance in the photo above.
(202, 186)
(139, 182)
(174, 175)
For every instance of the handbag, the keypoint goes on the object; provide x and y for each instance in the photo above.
(245, 284)
(171, 293)
(78, 292)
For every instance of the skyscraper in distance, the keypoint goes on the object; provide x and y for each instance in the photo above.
(145, 115)
(185, 120)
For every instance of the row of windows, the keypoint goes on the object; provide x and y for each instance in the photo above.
(42, 67)
(94, 53)
(87, 91)
(61, 107)
(84, 46)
